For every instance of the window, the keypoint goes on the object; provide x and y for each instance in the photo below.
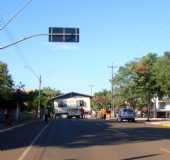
(81, 103)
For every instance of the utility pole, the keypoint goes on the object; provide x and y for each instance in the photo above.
(91, 89)
(39, 97)
(112, 97)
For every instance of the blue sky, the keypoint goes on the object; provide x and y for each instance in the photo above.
(111, 31)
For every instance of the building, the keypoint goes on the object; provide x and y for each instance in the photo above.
(72, 100)
(162, 107)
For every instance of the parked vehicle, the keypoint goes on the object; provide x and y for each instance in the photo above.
(126, 114)
(67, 112)
(60, 112)
(74, 112)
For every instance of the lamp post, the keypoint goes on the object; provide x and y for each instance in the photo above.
(55, 35)
(91, 89)
(39, 88)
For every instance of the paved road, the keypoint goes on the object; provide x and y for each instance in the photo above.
(64, 139)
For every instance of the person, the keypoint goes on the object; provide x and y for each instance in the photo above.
(104, 113)
(108, 113)
(82, 112)
(101, 113)
(6, 116)
(46, 115)
(93, 113)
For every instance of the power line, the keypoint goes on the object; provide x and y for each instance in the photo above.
(27, 65)
(31, 69)
(15, 15)
(9, 35)
(18, 50)
(22, 57)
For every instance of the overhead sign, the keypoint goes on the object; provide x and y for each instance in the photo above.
(61, 34)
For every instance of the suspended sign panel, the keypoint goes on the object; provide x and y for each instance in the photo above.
(59, 34)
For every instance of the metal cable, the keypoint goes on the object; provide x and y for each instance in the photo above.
(15, 15)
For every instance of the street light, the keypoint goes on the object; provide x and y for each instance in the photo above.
(91, 89)
(56, 34)
(39, 88)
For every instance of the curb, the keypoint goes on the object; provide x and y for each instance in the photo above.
(165, 125)
(159, 123)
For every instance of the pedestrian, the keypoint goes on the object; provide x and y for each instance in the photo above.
(82, 112)
(108, 113)
(46, 115)
(101, 113)
(6, 117)
(104, 113)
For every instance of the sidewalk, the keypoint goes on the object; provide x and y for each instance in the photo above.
(15, 124)
(163, 122)
(160, 123)
(153, 119)
(25, 117)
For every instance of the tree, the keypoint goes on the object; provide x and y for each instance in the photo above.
(102, 99)
(49, 92)
(135, 81)
(46, 94)
(6, 84)
(162, 75)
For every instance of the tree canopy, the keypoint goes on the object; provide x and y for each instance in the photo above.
(6, 83)
(138, 81)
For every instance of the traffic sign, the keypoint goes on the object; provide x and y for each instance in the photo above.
(61, 34)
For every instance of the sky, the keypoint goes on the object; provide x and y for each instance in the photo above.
(111, 32)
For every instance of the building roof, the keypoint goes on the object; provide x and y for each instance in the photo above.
(71, 94)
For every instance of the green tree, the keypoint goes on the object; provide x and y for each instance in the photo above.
(6, 84)
(102, 99)
(162, 75)
(46, 94)
(135, 82)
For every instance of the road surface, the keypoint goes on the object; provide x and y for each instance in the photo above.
(73, 139)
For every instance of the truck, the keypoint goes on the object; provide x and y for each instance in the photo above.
(67, 112)
(73, 112)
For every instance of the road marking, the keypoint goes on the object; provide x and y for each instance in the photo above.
(165, 150)
(32, 143)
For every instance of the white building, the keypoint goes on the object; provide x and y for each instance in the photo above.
(72, 100)
(162, 107)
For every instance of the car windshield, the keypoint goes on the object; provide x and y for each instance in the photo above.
(128, 110)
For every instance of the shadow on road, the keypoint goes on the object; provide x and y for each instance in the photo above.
(81, 133)
(141, 157)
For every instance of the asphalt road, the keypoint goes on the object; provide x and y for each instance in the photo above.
(63, 139)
